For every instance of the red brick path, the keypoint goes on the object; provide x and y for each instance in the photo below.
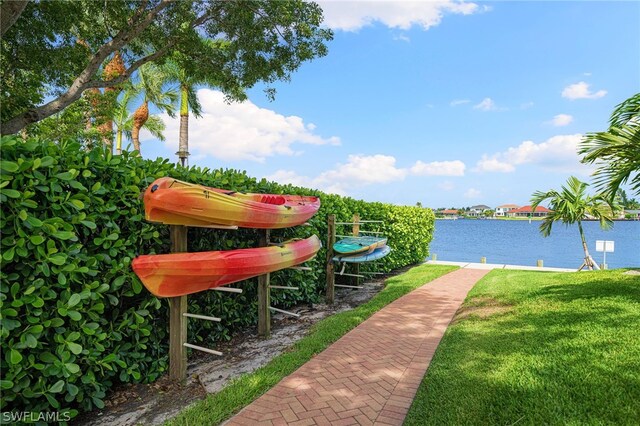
(371, 375)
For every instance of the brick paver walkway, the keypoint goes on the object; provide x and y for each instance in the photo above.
(371, 375)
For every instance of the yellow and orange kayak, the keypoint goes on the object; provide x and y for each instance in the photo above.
(179, 274)
(173, 202)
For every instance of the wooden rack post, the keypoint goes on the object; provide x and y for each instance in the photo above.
(264, 302)
(356, 267)
(177, 319)
(331, 239)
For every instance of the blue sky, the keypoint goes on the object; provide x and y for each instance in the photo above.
(447, 104)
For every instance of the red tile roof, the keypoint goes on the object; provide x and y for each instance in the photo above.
(449, 211)
(527, 209)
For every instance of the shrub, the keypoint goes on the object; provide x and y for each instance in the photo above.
(75, 318)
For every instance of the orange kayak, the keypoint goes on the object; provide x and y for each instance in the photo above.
(178, 274)
(174, 202)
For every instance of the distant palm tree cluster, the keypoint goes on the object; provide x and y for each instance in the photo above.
(122, 112)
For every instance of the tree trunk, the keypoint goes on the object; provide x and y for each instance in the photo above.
(183, 145)
(587, 257)
(10, 11)
(119, 141)
(140, 117)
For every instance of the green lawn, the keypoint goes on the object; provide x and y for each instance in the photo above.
(242, 391)
(538, 348)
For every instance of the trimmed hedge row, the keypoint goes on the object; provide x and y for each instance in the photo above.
(75, 318)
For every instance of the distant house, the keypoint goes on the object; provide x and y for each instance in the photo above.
(478, 210)
(501, 211)
(527, 211)
(449, 213)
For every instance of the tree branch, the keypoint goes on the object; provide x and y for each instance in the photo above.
(10, 11)
(84, 79)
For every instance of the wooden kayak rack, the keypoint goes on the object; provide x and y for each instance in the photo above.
(330, 264)
(179, 315)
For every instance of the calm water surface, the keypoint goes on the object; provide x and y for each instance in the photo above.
(520, 243)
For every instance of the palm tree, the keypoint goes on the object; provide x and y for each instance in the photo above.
(617, 150)
(573, 205)
(188, 101)
(187, 83)
(151, 82)
(123, 120)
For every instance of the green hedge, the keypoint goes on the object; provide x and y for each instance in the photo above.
(75, 318)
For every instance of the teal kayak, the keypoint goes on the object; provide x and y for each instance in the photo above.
(378, 253)
(363, 244)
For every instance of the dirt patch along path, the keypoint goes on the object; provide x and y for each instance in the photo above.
(157, 402)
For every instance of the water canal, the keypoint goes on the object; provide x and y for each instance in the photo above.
(520, 243)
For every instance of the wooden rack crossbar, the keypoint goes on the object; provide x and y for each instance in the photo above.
(349, 275)
(284, 287)
(348, 286)
(227, 289)
(200, 348)
(301, 268)
(359, 222)
(202, 317)
(282, 311)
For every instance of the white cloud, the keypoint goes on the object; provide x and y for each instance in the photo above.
(581, 91)
(359, 170)
(472, 193)
(242, 131)
(438, 168)
(457, 102)
(486, 104)
(561, 120)
(558, 153)
(526, 105)
(362, 170)
(493, 164)
(353, 15)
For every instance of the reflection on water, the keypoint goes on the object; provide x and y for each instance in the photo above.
(520, 243)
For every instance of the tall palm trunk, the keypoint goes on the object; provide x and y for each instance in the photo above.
(139, 118)
(119, 141)
(588, 260)
(183, 145)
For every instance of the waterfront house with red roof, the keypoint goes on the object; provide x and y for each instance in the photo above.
(501, 211)
(449, 213)
(527, 211)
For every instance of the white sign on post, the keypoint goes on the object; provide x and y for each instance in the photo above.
(605, 246)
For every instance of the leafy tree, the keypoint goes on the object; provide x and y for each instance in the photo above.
(238, 43)
(572, 205)
(616, 150)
